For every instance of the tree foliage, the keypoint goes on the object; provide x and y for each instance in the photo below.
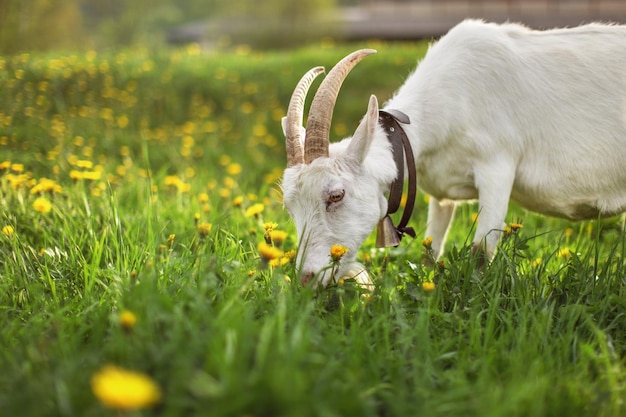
(49, 24)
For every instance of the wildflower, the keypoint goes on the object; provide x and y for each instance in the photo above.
(42, 205)
(269, 226)
(234, 169)
(537, 262)
(337, 252)
(255, 210)
(428, 242)
(76, 175)
(170, 239)
(269, 252)
(121, 389)
(282, 261)
(92, 175)
(85, 164)
(204, 229)
(203, 197)
(8, 230)
(127, 320)
(512, 228)
(17, 168)
(44, 185)
(237, 201)
(565, 252)
(196, 218)
(278, 236)
(428, 286)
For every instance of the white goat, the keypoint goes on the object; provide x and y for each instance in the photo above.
(497, 112)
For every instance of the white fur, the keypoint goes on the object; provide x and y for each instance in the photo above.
(498, 112)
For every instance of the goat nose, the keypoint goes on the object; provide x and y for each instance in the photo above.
(306, 277)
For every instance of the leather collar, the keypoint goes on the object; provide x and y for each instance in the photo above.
(388, 234)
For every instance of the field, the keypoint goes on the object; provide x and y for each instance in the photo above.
(136, 190)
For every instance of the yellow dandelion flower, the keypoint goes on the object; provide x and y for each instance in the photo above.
(237, 201)
(537, 262)
(170, 239)
(122, 389)
(428, 242)
(269, 252)
(269, 226)
(92, 175)
(204, 229)
(127, 320)
(17, 168)
(278, 236)
(515, 226)
(203, 197)
(8, 230)
(337, 252)
(234, 169)
(85, 164)
(428, 286)
(42, 205)
(76, 175)
(564, 253)
(255, 210)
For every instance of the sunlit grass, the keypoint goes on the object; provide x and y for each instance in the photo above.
(142, 230)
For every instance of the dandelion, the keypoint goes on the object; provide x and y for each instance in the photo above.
(428, 286)
(17, 168)
(84, 163)
(170, 239)
(204, 229)
(269, 226)
(122, 389)
(277, 237)
(255, 210)
(76, 175)
(337, 252)
(8, 230)
(515, 226)
(92, 175)
(428, 242)
(269, 252)
(203, 197)
(234, 169)
(127, 320)
(237, 201)
(42, 205)
(565, 252)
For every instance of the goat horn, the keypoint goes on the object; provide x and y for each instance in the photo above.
(321, 112)
(293, 122)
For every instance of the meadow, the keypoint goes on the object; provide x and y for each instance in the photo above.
(146, 263)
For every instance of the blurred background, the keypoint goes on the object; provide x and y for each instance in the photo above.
(96, 24)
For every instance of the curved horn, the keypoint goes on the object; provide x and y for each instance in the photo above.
(321, 112)
(293, 120)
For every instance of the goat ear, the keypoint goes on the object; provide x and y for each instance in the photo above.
(364, 134)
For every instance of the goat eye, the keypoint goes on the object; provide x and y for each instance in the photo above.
(336, 196)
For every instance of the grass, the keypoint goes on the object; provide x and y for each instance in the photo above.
(159, 171)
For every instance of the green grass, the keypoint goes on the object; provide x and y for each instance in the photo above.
(171, 140)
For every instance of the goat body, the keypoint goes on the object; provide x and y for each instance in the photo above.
(497, 112)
